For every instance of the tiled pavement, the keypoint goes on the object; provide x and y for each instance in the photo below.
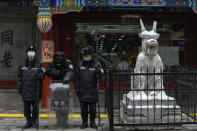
(16, 124)
(10, 103)
(11, 119)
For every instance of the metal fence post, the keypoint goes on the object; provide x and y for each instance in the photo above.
(111, 113)
(106, 88)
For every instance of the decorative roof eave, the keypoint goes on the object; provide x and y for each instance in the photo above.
(58, 6)
(49, 7)
(61, 6)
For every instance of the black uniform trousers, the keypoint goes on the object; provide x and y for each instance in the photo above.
(27, 110)
(84, 111)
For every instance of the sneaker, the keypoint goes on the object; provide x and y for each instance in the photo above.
(93, 125)
(84, 125)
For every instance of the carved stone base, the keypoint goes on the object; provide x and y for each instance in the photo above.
(154, 128)
(149, 111)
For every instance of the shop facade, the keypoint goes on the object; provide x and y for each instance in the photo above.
(120, 30)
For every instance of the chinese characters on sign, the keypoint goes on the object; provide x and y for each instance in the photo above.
(59, 105)
(14, 38)
(15, 3)
(6, 59)
(64, 6)
(7, 38)
(68, 3)
(138, 2)
(42, 3)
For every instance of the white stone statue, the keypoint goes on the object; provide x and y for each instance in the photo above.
(148, 61)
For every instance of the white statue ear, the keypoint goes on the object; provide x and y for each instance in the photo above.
(142, 26)
(154, 26)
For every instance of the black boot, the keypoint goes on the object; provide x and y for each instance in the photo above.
(93, 125)
(84, 125)
(28, 124)
(34, 123)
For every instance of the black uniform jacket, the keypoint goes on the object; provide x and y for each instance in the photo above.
(86, 83)
(30, 75)
(64, 72)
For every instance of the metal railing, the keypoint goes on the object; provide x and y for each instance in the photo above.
(141, 99)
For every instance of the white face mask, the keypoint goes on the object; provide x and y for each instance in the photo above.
(31, 54)
(86, 59)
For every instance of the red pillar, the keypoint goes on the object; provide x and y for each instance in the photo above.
(56, 32)
(66, 38)
(62, 33)
(47, 80)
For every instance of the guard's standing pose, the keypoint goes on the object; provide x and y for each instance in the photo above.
(29, 73)
(86, 86)
(61, 72)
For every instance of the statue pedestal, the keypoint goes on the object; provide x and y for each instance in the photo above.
(143, 109)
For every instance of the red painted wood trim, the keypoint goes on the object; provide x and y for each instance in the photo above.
(46, 81)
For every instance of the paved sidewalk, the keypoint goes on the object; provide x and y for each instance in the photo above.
(16, 124)
(11, 116)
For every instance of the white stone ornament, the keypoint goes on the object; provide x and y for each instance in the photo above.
(147, 99)
(148, 61)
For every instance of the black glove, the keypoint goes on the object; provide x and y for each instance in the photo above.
(97, 67)
(77, 93)
(39, 76)
(66, 82)
(63, 72)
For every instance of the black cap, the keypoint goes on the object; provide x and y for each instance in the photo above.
(88, 50)
(31, 47)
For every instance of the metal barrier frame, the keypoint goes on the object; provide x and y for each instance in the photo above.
(109, 95)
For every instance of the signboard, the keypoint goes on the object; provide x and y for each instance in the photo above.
(47, 50)
(59, 105)
(42, 3)
(65, 6)
(16, 3)
(59, 6)
(138, 2)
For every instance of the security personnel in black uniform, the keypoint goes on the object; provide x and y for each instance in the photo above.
(30, 75)
(88, 73)
(60, 68)
(61, 72)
